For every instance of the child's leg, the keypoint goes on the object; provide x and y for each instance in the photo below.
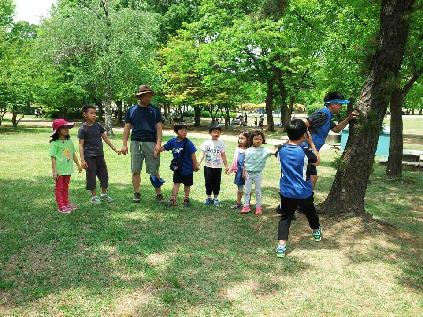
(91, 173)
(208, 180)
(187, 190)
(217, 179)
(58, 191)
(308, 208)
(240, 193)
(102, 174)
(257, 180)
(247, 194)
(66, 181)
(288, 207)
(175, 190)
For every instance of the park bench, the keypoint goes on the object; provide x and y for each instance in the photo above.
(411, 158)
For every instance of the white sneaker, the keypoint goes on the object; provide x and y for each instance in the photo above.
(95, 200)
(106, 198)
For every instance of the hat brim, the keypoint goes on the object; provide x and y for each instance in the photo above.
(69, 125)
(139, 94)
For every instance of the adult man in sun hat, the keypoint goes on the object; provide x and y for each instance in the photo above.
(145, 121)
(321, 122)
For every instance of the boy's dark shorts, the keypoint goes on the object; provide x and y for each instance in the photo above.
(312, 169)
(187, 180)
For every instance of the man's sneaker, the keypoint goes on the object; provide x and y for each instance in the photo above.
(245, 209)
(72, 207)
(317, 234)
(216, 202)
(106, 198)
(95, 200)
(236, 206)
(137, 198)
(187, 203)
(64, 210)
(208, 202)
(172, 202)
(281, 251)
(159, 198)
(259, 211)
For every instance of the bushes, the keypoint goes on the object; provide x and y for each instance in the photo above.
(206, 114)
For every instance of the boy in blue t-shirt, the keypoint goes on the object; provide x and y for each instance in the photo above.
(184, 163)
(296, 189)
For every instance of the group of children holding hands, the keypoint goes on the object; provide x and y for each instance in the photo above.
(296, 157)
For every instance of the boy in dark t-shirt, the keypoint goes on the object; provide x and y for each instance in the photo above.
(90, 135)
(184, 163)
(296, 189)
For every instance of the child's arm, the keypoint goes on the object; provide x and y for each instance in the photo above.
(310, 142)
(225, 162)
(196, 165)
(109, 143)
(53, 167)
(81, 154)
(203, 154)
(75, 159)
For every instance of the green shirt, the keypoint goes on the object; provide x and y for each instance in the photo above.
(255, 158)
(63, 151)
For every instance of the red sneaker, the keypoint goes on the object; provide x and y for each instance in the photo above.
(64, 210)
(259, 211)
(245, 210)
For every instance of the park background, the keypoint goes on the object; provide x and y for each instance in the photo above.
(210, 61)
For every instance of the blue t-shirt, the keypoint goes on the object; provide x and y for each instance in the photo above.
(143, 121)
(176, 147)
(321, 123)
(295, 179)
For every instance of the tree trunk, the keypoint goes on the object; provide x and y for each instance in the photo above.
(119, 104)
(108, 126)
(394, 167)
(100, 108)
(197, 116)
(227, 116)
(269, 102)
(396, 142)
(350, 184)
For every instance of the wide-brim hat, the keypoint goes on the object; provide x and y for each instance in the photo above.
(143, 90)
(60, 123)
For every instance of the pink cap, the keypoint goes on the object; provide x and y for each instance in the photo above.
(59, 123)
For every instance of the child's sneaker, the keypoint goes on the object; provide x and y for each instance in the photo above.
(137, 198)
(187, 203)
(236, 206)
(216, 202)
(106, 198)
(95, 200)
(281, 251)
(208, 202)
(245, 209)
(64, 210)
(159, 198)
(72, 207)
(259, 211)
(317, 234)
(172, 202)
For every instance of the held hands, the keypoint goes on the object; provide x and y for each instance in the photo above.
(54, 175)
(84, 165)
(124, 150)
(80, 169)
(227, 170)
(157, 150)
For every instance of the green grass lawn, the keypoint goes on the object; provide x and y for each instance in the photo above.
(124, 259)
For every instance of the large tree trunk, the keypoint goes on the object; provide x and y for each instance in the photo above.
(269, 102)
(197, 116)
(350, 184)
